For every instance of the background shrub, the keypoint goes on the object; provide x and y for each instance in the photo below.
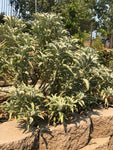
(106, 57)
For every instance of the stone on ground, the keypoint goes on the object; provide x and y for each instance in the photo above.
(98, 144)
(13, 136)
(102, 123)
(70, 137)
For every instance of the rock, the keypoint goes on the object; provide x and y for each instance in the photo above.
(73, 135)
(68, 137)
(102, 123)
(98, 144)
(14, 137)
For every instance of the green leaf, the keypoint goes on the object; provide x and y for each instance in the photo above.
(61, 117)
(86, 84)
(31, 120)
(106, 102)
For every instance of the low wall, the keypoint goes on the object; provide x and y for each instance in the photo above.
(93, 131)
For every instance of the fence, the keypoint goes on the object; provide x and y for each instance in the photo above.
(7, 9)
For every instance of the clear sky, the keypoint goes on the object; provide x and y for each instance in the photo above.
(5, 7)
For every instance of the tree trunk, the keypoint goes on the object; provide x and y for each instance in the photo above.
(91, 40)
(96, 33)
(105, 42)
(111, 41)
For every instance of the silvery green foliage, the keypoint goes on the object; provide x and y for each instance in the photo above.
(70, 78)
(19, 45)
(58, 106)
(108, 91)
(15, 50)
(24, 103)
(47, 27)
(106, 94)
(77, 70)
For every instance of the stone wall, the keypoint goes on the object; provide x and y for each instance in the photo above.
(93, 131)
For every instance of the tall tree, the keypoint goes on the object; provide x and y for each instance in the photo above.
(104, 13)
(26, 8)
(78, 17)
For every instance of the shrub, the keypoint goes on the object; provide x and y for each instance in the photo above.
(97, 44)
(106, 57)
(22, 46)
(24, 103)
(60, 108)
(69, 78)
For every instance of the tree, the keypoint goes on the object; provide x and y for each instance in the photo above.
(104, 13)
(23, 8)
(26, 8)
(78, 17)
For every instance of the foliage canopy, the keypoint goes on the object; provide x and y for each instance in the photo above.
(53, 76)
